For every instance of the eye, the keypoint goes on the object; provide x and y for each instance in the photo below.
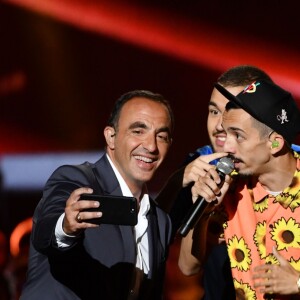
(214, 112)
(163, 136)
(239, 137)
(137, 131)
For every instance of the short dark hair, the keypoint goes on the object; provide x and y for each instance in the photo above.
(115, 114)
(242, 75)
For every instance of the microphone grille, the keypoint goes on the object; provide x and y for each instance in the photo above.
(225, 165)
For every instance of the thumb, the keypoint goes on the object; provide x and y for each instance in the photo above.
(194, 198)
(282, 261)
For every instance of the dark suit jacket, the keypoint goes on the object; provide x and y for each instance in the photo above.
(100, 264)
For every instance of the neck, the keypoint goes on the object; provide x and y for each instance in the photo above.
(280, 174)
(138, 194)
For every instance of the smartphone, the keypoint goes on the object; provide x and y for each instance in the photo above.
(118, 210)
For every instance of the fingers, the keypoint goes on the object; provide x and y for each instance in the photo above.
(75, 195)
(199, 167)
(210, 157)
(282, 261)
(207, 186)
(265, 278)
(75, 214)
(78, 218)
(280, 279)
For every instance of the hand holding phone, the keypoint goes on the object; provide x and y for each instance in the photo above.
(118, 210)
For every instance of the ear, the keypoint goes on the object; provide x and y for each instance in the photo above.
(277, 143)
(109, 134)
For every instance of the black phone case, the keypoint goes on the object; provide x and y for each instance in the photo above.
(118, 210)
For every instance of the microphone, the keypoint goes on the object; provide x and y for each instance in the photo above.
(224, 167)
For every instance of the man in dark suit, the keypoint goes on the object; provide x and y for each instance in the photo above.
(72, 258)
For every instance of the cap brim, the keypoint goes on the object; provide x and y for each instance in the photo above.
(267, 105)
(228, 95)
(238, 102)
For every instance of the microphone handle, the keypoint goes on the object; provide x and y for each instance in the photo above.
(193, 216)
(196, 211)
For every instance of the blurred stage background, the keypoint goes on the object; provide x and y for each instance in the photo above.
(64, 63)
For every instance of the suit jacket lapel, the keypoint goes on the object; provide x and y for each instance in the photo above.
(110, 186)
(106, 177)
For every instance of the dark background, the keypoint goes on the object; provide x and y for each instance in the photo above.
(59, 77)
(64, 63)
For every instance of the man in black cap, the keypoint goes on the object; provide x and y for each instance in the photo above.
(262, 231)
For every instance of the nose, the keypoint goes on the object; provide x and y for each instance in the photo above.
(219, 124)
(229, 145)
(150, 143)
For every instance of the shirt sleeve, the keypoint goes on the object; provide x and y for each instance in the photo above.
(63, 240)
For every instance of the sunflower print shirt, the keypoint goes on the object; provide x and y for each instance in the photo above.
(257, 221)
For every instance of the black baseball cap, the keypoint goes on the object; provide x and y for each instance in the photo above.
(269, 104)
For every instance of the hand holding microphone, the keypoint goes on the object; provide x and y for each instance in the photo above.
(224, 167)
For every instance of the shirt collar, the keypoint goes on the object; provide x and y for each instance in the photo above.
(123, 185)
(144, 203)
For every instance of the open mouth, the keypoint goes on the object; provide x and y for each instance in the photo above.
(221, 138)
(144, 159)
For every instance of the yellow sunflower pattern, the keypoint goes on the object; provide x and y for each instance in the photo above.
(260, 242)
(295, 264)
(271, 259)
(260, 239)
(244, 290)
(286, 234)
(289, 199)
(275, 224)
(239, 254)
(261, 206)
